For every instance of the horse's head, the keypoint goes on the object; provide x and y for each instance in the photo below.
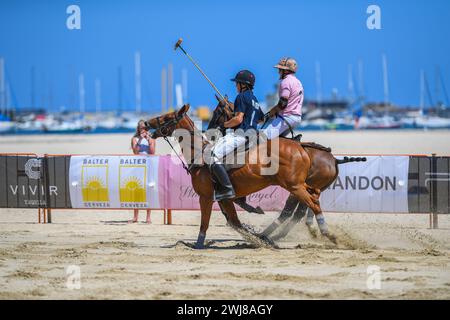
(223, 112)
(165, 125)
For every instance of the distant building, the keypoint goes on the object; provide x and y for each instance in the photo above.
(203, 113)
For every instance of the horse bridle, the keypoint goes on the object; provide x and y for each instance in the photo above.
(164, 128)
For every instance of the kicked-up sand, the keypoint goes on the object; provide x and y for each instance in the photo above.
(377, 255)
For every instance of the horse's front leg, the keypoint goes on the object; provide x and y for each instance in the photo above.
(206, 208)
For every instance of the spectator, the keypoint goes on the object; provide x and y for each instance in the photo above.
(142, 143)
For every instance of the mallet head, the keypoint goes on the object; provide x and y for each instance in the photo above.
(178, 43)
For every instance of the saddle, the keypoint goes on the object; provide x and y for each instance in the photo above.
(311, 145)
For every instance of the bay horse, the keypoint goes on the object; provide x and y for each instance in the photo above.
(293, 161)
(322, 173)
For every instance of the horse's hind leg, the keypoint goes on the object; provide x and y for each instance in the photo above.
(241, 202)
(312, 201)
(309, 218)
(289, 207)
(299, 213)
(309, 221)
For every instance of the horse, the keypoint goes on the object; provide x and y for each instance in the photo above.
(294, 163)
(323, 172)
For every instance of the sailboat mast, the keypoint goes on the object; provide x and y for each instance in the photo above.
(184, 83)
(422, 91)
(7, 98)
(386, 82)
(361, 81)
(444, 89)
(50, 94)
(98, 96)
(81, 93)
(427, 88)
(437, 87)
(137, 69)
(163, 90)
(351, 87)
(119, 90)
(33, 87)
(2, 84)
(170, 86)
(179, 95)
(318, 83)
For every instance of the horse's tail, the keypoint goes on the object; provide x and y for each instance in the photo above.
(349, 160)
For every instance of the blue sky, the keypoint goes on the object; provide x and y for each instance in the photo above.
(224, 37)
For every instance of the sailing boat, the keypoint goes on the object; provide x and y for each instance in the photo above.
(6, 125)
(425, 121)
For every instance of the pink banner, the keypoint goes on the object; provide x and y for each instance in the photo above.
(176, 191)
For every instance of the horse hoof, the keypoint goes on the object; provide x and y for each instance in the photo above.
(259, 210)
(268, 241)
(331, 237)
(199, 246)
(312, 231)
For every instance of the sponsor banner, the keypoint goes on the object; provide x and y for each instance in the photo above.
(114, 182)
(179, 193)
(378, 185)
(382, 184)
(22, 182)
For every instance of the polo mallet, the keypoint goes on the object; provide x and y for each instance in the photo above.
(178, 45)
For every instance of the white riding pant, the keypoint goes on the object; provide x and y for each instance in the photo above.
(277, 126)
(227, 144)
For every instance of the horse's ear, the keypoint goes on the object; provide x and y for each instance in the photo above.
(184, 109)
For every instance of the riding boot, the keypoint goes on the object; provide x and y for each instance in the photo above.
(223, 189)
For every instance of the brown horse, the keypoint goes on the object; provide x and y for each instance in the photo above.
(323, 172)
(293, 171)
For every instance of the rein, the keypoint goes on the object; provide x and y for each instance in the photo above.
(164, 131)
(185, 167)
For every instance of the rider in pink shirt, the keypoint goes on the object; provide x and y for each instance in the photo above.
(291, 89)
(288, 112)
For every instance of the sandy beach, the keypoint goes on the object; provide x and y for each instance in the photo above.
(341, 142)
(118, 260)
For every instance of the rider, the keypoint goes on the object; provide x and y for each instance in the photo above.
(247, 115)
(288, 111)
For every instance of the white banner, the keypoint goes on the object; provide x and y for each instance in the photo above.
(114, 182)
(378, 185)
